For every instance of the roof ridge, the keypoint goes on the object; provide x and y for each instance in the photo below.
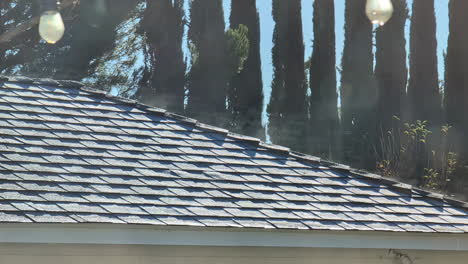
(391, 183)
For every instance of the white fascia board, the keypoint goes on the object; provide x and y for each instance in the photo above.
(150, 235)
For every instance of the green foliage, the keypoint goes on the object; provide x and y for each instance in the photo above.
(444, 161)
(431, 176)
(237, 48)
(413, 151)
(416, 132)
(438, 178)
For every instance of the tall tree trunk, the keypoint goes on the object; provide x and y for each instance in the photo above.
(163, 24)
(358, 96)
(323, 100)
(288, 108)
(391, 72)
(246, 89)
(456, 82)
(207, 81)
(424, 100)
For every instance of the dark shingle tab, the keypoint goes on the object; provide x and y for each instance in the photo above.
(72, 154)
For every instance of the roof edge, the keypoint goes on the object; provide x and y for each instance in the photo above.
(391, 183)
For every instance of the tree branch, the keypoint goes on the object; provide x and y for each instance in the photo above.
(9, 35)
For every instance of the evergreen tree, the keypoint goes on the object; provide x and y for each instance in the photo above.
(456, 82)
(358, 97)
(129, 48)
(391, 72)
(6, 11)
(456, 89)
(92, 36)
(246, 88)
(323, 100)
(4, 6)
(163, 25)
(19, 50)
(424, 100)
(288, 108)
(207, 80)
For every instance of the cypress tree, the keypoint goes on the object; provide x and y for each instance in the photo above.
(391, 72)
(163, 25)
(424, 100)
(246, 88)
(207, 80)
(288, 108)
(456, 82)
(323, 100)
(358, 97)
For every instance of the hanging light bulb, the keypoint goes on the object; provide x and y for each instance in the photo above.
(51, 27)
(379, 11)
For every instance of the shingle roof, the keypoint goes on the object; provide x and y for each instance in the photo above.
(69, 154)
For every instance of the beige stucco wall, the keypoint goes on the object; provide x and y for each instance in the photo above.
(84, 254)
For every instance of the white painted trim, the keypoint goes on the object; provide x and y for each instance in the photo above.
(150, 235)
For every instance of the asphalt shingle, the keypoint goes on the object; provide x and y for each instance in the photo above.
(75, 156)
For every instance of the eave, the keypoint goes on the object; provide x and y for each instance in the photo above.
(117, 234)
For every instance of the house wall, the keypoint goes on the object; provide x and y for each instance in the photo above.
(118, 254)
